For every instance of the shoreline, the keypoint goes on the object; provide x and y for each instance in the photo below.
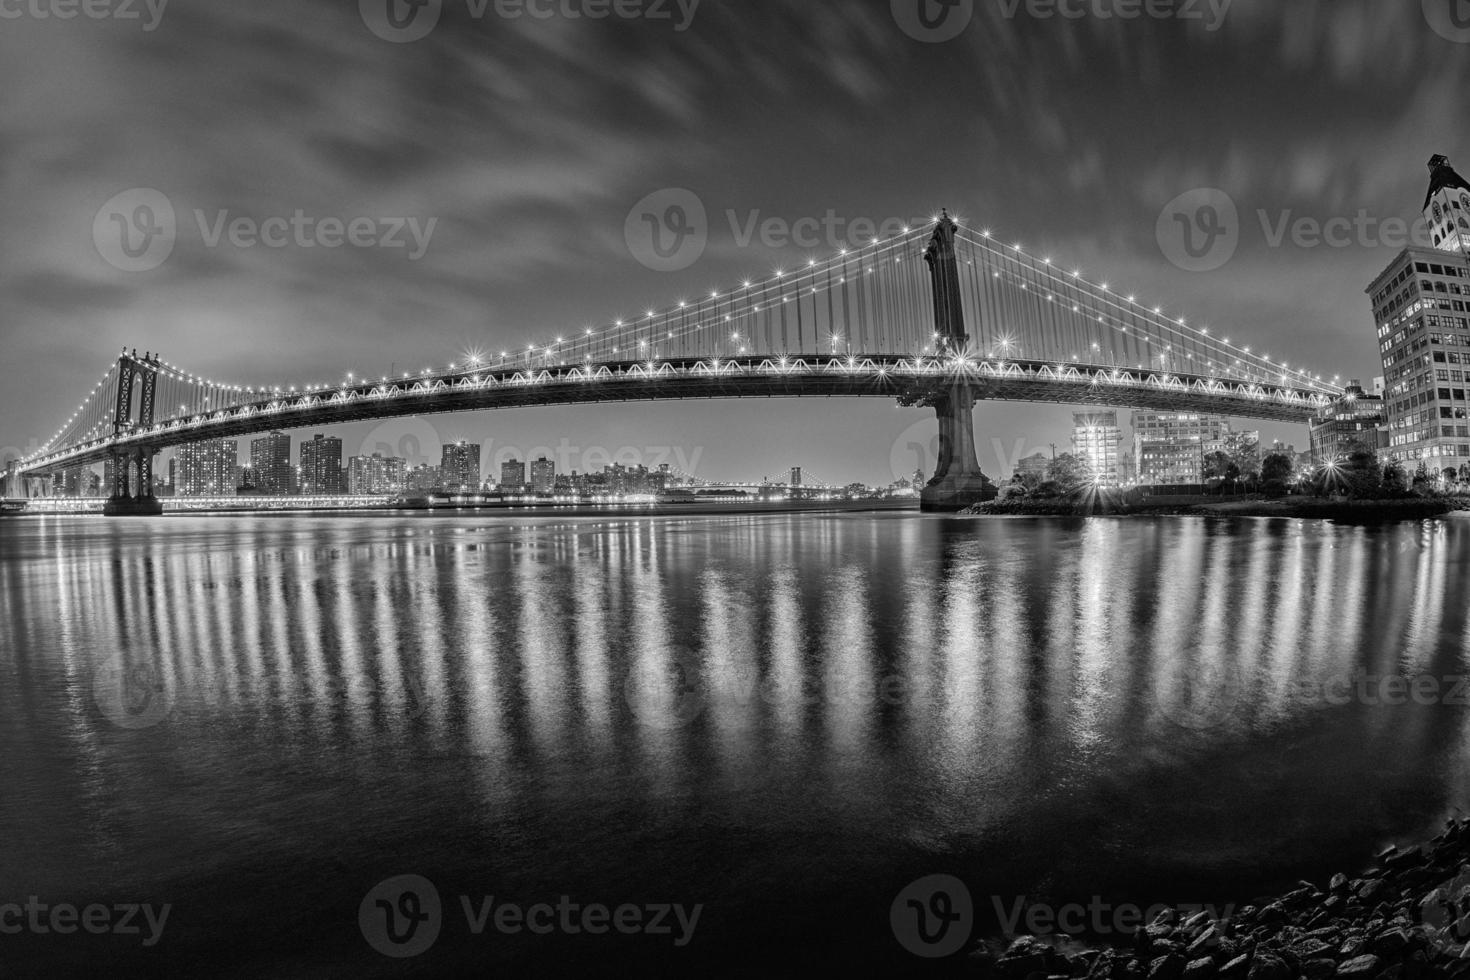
(1305, 508)
(1405, 918)
(521, 510)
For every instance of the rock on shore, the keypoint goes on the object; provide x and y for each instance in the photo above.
(1406, 919)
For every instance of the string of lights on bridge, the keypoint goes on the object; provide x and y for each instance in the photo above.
(845, 277)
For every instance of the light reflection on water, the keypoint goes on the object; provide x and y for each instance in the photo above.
(740, 711)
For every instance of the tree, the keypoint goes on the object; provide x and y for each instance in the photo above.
(1069, 472)
(1217, 466)
(1276, 473)
(1395, 477)
(1358, 476)
(1246, 455)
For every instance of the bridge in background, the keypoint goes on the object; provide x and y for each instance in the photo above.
(936, 318)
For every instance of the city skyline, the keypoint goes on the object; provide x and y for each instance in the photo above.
(1275, 177)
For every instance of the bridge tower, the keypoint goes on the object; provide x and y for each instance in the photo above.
(141, 375)
(958, 481)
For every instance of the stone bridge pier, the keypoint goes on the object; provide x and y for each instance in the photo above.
(958, 481)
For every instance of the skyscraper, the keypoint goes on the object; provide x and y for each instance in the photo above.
(321, 467)
(459, 467)
(1421, 307)
(543, 476)
(512, 476)
(1096, 438)
(270, 464)
(207, 469)
(376, 475)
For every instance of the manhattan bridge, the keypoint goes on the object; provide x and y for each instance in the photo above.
(937, 318)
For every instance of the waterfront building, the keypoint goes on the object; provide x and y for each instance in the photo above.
(376, 475)
(512, 476)
(207, 469)
(1349, 422)
(1095, 439)
(1033, 467)
(1421, 310)
(543, 476)
(1169, 448)
(459, 467)
(423, 478)
(270, 462)
(321, 467)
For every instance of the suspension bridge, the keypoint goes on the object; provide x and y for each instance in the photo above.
(937, 318)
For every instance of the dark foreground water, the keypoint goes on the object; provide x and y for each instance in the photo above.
(782, 720)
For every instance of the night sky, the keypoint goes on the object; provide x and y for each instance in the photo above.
(529, 141)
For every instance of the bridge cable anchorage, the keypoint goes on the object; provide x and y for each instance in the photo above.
(865, 313)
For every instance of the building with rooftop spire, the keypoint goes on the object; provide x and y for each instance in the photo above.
(1421, 310)
(1447, 206)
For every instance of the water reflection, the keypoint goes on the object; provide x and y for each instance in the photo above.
(884, 681)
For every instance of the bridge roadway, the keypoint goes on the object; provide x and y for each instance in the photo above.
(893, 376)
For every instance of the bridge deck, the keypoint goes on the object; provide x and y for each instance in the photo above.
(795, 376)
